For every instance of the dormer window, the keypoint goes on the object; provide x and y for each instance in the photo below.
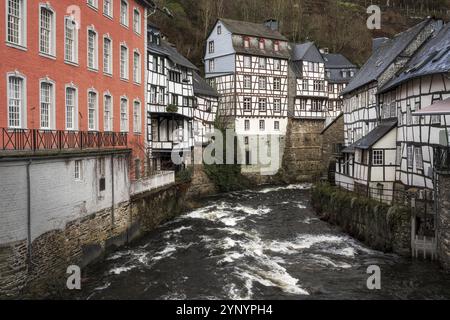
(276, 46)
(219, 29)
(262, 44)
(247, 42)
(344, 74)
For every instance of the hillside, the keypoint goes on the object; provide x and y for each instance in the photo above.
(337, 25)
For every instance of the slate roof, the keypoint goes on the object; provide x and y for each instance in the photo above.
(202, 87)
(334, 64)
(432, 58)
(168, 50)
(375, 135)
(384, 56)
(252, 29)
(306, 52)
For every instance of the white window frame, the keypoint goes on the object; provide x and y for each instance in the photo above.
(110, 70)
(137, 126)
(95, 54)
(108, 123)
(137, 70)
(95, 122)
(247, 82)
(219, 30)
(23, 100)
(109, 14)
(124, 125)
(247, 104)
(276, 125)
(262, 63)
(247, 125)
(127, 22)
(418, 158)
(74, 127)
(126, 72)
(78, 170)
(277, 64)
(277, 105)
(211, 46)
(378, 157)
(262, 87)
(212, 65)
(52, 106)
(410, 157)
(75, 41)
(52, 36)
(262, 125)
(262, 104)
(138, 29)
(247, 62)
(22, 33)
(277, 84)
(92, 3)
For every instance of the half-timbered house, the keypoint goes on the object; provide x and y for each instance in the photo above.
(171, 99)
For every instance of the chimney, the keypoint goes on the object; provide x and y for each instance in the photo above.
(272, 24)
(377, 42)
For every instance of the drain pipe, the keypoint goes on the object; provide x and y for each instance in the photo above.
(29, 214)
(112, 191)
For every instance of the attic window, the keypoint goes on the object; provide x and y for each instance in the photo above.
(247, 42)
(276, 46)
(219, 29)
(262, 44)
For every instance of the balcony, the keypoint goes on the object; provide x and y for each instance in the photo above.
(35, 140)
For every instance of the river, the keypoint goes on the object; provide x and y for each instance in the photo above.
(263, 244)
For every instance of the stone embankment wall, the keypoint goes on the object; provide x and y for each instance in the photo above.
(443, 221)
(83, 241)
(382, 227)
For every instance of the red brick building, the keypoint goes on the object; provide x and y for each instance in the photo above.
(74, 66)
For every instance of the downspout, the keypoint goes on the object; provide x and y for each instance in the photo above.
(112, 191)
(29, 214)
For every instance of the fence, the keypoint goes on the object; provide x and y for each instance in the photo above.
(40, 140)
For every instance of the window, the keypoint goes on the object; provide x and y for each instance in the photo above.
(71, 108)
(92, 49)
(277, 64)
(419, 158)
(262, 104)
(276, 46)
(410, 157)
(277, 105)
(78, 170)
(162, 96)
(246, 42)
(277, 84)
(92, 3)
(262, 44)
(107, 56)
(344, 74)
(92, 110)
(262, 63)
(436, 119)
(305, 85)
(211, 65)
(316, 106)
(123, 62)
(124, 115)
(248, 104)
(319, 85)
(137, 117)
(378, 158)
(136, 21)
(302, 105)
(262, 83)
(399, 156)
(16, 102)
(246, 140)
(174, 76)
(137, 67)
(247, 125)
(108, 112)
(247, 62)
(16, 22)
(70, 41)
(174, 100)
(47, 105)
(124, 13)
(211, 47)
(276, 125)
(46, 31)
(316, 67)
(408, 115)
(247, 82)
(153, 94)
(108, 8)
(262, 125)
(219, 29)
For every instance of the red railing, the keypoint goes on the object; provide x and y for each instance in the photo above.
(40, 140)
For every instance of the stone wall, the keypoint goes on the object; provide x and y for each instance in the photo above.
(443, 221)
(302, 160)
(332, 136)
(382, 227)
(83, 241)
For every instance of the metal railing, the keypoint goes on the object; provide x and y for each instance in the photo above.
(42, 140)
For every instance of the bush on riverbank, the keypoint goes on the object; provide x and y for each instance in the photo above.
(381, 226)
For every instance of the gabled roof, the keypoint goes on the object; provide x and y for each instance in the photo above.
(432, 58)
(306, 52)
(440, 107)
(384, 56)
(203, 88)
(375, 135)
(336, 61)
(172, 54)
(252, 29)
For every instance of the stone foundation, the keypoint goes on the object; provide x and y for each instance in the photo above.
(443, 221)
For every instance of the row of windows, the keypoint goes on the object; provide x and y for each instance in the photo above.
(248, 63)
(262, 125)
(262, 104)
(108, 11)
(262, 83)
(318, 85)
(17, 107)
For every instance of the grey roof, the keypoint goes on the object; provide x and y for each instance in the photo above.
(252, 29)
(341, 114)
(306, 52)
(239, 47)
(335, 63)
(384, 56)
(203, 88)
(375, 135)
(168, 50)
(432, 58)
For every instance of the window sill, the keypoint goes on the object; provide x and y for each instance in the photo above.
(124, 80)
(16, 46)
(137, 33)
(125, 26)
(92, 70)
(71, 63)
(92, 7)
(48, 56)
(137, 83)
(108, 74)
(108, 16)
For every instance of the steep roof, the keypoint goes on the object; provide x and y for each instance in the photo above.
(202, 87)
(306, 52)
(252, 29)
(334, 64)
(432, 58)
(384, 56)
(172, 53)
(375, 135)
